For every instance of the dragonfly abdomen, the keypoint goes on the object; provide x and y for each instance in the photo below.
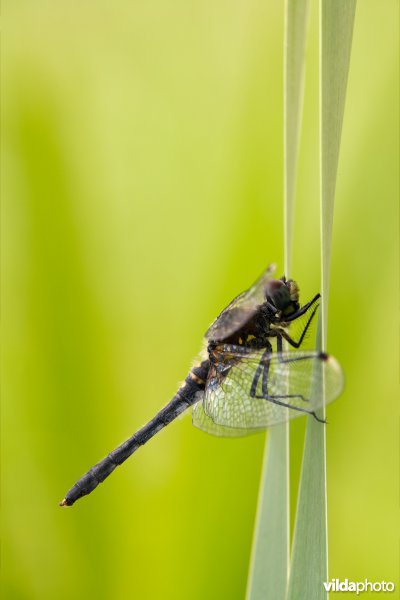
(185, 397)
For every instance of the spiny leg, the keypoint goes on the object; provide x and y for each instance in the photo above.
(265, 362)
(262, 367)
(303, 310)
(293, 356)
(274, 400)
(293, 342)
(264, 386)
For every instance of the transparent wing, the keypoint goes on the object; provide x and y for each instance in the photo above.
(204, 422)
(241, 309)
(304, 380)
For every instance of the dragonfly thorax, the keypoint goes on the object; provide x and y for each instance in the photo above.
(253, 333)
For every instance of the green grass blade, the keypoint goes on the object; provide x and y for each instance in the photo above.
(296, 24)
(337, 19)
(270, 553)
(309, 565)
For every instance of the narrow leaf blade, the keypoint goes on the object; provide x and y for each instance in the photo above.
(336, 25)
(309, 565)
(296, 25)
(270, 553)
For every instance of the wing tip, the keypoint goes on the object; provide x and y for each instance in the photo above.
(336, 372)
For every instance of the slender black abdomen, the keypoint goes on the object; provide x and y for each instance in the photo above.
(184, 398)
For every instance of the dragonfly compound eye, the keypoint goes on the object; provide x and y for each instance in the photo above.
(279, 294)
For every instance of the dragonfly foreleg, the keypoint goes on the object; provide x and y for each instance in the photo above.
(293, 342)
(303, 310)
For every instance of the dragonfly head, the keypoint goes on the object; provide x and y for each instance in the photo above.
(283, 295)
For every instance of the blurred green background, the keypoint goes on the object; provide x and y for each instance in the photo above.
(142, 190)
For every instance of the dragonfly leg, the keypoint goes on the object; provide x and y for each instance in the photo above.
(264, 386)
(264, 364)
(263, 367)
(295, 358)
(293, 342)
(274, 400)
(265, 396)
(303, 309)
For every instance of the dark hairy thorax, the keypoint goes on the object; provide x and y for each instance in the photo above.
(255, 332)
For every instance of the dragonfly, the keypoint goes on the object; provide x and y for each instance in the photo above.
(252, 374)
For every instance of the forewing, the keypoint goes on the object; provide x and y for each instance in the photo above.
(241, 309)
(311, 378)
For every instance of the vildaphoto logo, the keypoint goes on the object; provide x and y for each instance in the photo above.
(335, 585)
